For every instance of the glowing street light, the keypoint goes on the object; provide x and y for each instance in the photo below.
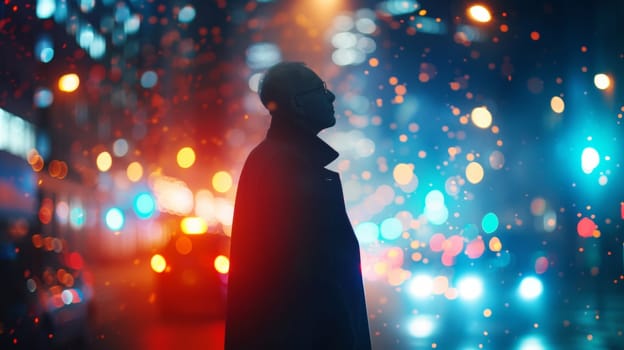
(421, 326)
(421, 286)
(530, 288)
(470, 288)
(69, 82)
(479, 13)
(602, 81)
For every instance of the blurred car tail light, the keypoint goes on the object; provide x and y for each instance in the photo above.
(222, 264)
(193, 225)
(158, 263)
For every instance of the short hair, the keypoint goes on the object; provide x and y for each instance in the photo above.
(279, 82)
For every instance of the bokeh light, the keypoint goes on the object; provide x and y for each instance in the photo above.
(120, 147)
(186, 14)
(134, 171)
(481, 117)
(149, 79)
(421, 326)
(602, 81)
(43, 98)
(474, 172)
(557, 104)
(489, 223)
(114, 219)
(590, 159)
(222, 181)
(403, 173)
(44, 49)
(391, 228)
(183, 245)
(367, 232)
(144, 205)
(479, 13)
(421, 286)
(104, 161)
(69, 82)
(470, 288)
(193, 225)
(586, 227)
(471, 141)
(45, 8)
(158, 263)
(222, 264)
(530, 288)
(185, 157)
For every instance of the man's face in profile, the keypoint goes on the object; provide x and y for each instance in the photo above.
(315, 102)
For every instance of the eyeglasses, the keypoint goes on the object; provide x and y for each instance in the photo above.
(323, 87)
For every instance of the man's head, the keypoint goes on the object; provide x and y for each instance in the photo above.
(292, 90)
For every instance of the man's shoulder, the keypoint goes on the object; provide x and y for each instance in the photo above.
(271, 153)
(269, 163)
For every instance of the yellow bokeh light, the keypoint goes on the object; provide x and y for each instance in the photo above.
(222, 264)
(222, 181)
(474, 172)
(69, 82)
(479, 13)
(104, 161)
(602, 81)
(134, 171)
(158, 263)
(193, 225)
(481, 117)
(403, 173)
(495, 244)
(186, 157)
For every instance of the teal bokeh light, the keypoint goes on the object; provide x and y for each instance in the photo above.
(435, 209)
(391, 229)
(77, 217)
(144, 205)
(367, 232)
(489, 223)
(437, 215)
(114, 219)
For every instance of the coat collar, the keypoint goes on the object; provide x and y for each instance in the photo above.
(306, 144)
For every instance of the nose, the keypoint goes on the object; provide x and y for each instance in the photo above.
(331, 96)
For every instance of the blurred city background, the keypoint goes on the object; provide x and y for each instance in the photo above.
(480, 150)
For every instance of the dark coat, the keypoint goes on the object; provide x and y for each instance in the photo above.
(295, 279)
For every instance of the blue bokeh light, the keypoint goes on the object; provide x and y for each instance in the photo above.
(45, 8)
(44, 49)
(186, 14)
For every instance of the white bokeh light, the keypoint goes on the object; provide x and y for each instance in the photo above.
(530, 288)
(421, 286)
(470, 288)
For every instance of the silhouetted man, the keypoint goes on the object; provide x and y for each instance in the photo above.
(295, 280)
